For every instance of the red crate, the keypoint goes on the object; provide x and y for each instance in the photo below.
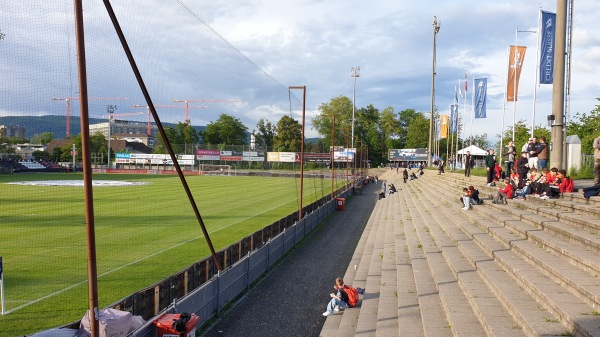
(164, 325)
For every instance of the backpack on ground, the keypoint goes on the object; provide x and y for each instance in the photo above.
(352, 295)
(180, 325)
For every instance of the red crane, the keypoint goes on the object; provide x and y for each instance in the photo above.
(164, 106)
(69, 99)
(186, 101)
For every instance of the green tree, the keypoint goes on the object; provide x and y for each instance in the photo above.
(160, 146)
(44, 138)
(265, 134)
(481, 141)
(405, 118)
(390, 132)
(289, 135)
(183, 137)
(341, 108)
(417, 132)
(522, 134)
(586, 127)
(225, 130)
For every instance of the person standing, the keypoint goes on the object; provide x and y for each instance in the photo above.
(597, 161)
(533, 149)
(522, 168)
(543, 153)
(468, 164)
(510, 153)
(489, 166)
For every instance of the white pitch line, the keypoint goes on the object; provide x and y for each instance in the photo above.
(134, 262)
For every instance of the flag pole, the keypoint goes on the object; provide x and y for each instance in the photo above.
(472, 111)
(504, 106)
(537, 70)
(457, 124)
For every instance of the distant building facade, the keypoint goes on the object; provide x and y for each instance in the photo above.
(12, 131)
(126, 130)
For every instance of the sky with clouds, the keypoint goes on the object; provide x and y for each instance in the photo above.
(253, 50)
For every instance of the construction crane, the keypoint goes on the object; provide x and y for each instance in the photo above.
(163, 106)
(186, 101)
(69, 99)
(111, 116)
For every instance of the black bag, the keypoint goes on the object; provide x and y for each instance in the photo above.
(180, 325)
(591, 191)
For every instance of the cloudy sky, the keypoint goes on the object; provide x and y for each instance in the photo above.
(252, 51)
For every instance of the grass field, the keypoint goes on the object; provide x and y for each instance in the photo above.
(143, 234)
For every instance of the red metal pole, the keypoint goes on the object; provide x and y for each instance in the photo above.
(302, 149)
(87, 172)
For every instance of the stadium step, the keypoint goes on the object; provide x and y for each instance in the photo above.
(527, 250)
(356, 275)
(529, 268)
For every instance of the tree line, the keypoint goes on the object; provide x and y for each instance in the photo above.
(375, 129)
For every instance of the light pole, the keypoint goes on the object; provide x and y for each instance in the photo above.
(110, 109)
(436, 29)
(355, 72)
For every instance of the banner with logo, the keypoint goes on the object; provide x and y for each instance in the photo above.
(480, 92)
(284, 157)
(453, 118)
(208, 155)
(548, 30)
(407, 154)
(444, 125)
(515, 64)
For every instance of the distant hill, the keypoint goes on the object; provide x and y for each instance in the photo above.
(56, 124)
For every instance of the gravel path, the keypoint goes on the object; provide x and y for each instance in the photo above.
(290, 300)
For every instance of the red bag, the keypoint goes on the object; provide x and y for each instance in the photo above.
(352, 295)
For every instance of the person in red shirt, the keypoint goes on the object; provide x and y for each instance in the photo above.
(504, 193)
(566, 183)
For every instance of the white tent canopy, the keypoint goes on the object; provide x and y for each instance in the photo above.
(474, 150)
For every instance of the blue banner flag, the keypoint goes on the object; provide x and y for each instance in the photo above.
(548, 30)
(453, 118)
(480, 93)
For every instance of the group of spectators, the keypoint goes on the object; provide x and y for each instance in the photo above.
(526, 175)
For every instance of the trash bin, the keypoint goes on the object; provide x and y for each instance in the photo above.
(164, 325)
(340, 203)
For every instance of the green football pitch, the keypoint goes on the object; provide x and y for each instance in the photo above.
(144, 231)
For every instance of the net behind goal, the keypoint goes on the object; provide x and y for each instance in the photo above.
(216, 169)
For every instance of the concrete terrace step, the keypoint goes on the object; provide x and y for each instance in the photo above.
(355, 276)
(480, 308)
(548, 268)
(434, 321)
(529, 268)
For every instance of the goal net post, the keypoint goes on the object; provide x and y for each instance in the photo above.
(216, 169)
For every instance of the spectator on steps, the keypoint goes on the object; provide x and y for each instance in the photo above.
(504, 193)
(475, 200)
(530, 185)
(533, 149)
(543, 154)
(339, 299)
(468, 163)
(490, 162)
(510, 154)
(522, 168)
(405, 175)
(597, 161)
(466, 199)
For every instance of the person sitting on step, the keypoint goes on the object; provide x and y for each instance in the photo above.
(504, 193)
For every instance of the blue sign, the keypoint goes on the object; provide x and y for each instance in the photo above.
(548, 30)
(480, 95)
(123, 155)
